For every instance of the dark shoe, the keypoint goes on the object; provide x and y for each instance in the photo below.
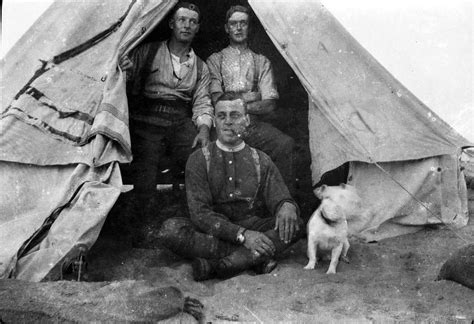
(238, 261)
(203, 269)
(266, 266)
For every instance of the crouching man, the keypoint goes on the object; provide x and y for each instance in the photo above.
(242, 214)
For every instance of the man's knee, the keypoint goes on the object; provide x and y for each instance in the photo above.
(174, 230)
(286, 144)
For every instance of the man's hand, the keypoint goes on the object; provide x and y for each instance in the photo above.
(258, 243)
(287, 222)
(125, 63)
(202, 137)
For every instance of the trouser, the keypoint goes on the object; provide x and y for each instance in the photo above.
(279, 146)
(150, 144)
(182, 237)
(156, 136)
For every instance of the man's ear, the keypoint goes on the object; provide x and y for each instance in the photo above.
(170, 23)
(214, 122)
(226, 28)
(247, 120)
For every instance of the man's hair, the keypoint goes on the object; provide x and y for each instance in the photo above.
(234, 9)
(186, 5)
(231, 96)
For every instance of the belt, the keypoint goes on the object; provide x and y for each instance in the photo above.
(168, 107)
(162, 109)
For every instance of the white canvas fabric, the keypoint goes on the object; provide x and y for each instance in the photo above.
(61, 88)
(359, 113)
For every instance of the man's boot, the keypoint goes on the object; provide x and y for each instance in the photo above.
(229, 266)
(238, 261)
(204, 269)
(266, 266)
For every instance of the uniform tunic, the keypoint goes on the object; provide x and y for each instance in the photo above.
(228, 197)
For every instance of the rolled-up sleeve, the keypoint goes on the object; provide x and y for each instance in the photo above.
(133, 75)
(266, 79)
(214, 62)
(200, 201)
(203, 111)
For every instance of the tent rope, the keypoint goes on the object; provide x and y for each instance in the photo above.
(420, 202)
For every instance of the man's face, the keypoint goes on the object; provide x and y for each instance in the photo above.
(230, 121)
(237, 27)
(184, 25)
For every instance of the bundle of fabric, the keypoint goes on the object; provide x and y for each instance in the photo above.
(126, 301)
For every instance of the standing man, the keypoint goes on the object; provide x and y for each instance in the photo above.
(242, 214)
(170, 106)
(238, 69)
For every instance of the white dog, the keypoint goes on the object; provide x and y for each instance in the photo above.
(327, 228)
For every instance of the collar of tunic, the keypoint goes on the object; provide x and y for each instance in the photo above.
(226, 148)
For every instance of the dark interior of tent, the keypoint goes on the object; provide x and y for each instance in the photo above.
(291, 117)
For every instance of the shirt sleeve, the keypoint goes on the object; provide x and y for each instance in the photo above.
(134, 74)
(200, 201)
(274, 190)
(266, 83)
(214, 64)
(203, 111)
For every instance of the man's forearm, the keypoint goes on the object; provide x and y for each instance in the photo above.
(261, 107)
(215, 96)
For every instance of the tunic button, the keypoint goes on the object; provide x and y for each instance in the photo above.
(230, 162)
(230, 178)
(231, 195)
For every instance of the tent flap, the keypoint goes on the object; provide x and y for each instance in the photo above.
(64, 88)
(76, 96)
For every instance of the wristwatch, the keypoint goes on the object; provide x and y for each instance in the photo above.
(240, 235)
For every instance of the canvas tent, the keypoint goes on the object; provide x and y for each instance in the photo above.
(64, 127)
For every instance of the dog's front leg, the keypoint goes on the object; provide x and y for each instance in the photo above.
(345, 248)
(311, 252)
(335, 254)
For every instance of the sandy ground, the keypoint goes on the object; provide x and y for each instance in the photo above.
(392, 280)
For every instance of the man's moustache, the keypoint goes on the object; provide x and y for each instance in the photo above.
(240, 131)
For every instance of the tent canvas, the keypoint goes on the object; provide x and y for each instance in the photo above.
(64, 126)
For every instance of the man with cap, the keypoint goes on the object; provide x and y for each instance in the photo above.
(237, 68)
(242, 214)
(169, 103)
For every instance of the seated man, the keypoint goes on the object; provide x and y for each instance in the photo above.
(242, 214)
(238, 69)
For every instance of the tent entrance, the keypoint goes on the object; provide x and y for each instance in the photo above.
(291, 115)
